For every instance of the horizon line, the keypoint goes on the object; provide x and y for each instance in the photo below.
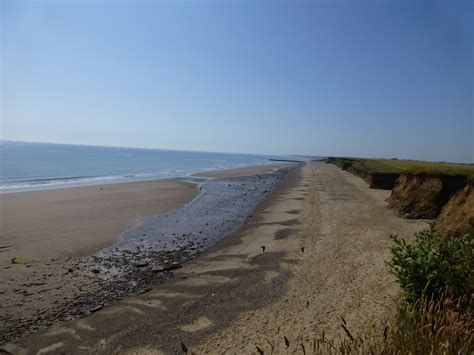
(148, 148)
(232, 153)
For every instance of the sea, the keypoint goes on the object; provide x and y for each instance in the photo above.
(26, 166)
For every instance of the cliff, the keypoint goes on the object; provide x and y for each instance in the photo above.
(457, 216)
(427, 190)
(423, 196)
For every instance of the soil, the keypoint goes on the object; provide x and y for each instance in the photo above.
(423, 196)
(457, 216)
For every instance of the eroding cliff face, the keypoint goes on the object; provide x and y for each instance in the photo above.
(448, 199)
(383, 181)
(423, 196)
(457, 216)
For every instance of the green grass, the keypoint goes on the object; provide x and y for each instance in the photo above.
(414, 167)
(425, 167)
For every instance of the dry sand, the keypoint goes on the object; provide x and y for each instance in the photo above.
(248, 170)
(235, 296)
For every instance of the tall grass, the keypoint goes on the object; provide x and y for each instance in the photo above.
(424, 167)
(411, 167)
(429, 326)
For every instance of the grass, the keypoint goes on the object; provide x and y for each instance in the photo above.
(412, 167)
(426, 327)
(424, 167)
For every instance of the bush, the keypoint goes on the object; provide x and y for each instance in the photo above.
(432, 267)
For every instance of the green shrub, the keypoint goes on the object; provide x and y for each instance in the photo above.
(431, 267)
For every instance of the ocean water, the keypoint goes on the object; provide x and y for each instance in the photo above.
(35, 166)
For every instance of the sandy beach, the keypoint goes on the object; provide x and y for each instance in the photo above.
(262, 169)
(61, 238)
(233, 178)
(81, 220)
(326, 239)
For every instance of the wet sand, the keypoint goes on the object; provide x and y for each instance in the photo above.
(71, 260)
(81, 220)
(250, 170)
(326, 239)
(49, 231)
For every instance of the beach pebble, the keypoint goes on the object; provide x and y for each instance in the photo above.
(95, 309)
(158, 269)
(174, 266)
(141, 264)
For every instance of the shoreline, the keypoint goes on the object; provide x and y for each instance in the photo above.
(80, 221)
(92, 282)
(243, 171)
(71, 183)
(326, 238)
(34, 213)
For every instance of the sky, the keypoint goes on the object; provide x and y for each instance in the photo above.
(375, 78)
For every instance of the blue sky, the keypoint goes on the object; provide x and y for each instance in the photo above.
(359, 78)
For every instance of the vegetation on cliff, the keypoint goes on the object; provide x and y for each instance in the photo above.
(420, 189)
(423, 196)
(409, 167)
(435, 314)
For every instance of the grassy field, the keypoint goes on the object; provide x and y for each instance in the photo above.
(415, 167)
